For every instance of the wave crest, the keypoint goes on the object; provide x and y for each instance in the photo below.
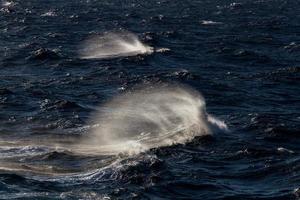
(111, 45)
(144, 119)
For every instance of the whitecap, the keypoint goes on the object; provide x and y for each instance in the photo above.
(284, 150)
(8, 3)
(209, 22)
(143, 119)
(49, 14)
(113, 44)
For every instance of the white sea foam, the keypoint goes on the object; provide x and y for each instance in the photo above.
(209, 22)
(7, 3)
(49, 14)
(284, 150)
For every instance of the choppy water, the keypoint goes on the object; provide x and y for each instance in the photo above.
(243, 56)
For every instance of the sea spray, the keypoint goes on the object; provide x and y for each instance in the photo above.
(128, 124)
(113, 44)
(149, 118)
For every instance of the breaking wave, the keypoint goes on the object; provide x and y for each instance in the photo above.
(111, 45)
(144, 119)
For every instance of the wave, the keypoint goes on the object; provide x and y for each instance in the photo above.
(128, 124)
(150, 118)
(113, 44)
(209, 22)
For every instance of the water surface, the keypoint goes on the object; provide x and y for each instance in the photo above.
(242, 56)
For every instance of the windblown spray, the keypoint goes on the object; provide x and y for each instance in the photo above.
(113, 44)
(144, 119)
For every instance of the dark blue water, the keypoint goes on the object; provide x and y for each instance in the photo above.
(242, 56)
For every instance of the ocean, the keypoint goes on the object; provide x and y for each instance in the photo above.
(158, 99)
